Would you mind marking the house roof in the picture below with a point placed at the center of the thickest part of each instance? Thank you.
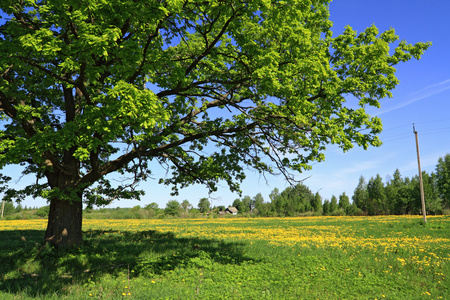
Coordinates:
(232, 209)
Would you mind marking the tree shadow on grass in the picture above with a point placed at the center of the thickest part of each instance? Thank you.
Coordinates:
(28, 267)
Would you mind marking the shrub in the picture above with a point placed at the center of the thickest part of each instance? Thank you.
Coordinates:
(42, 212)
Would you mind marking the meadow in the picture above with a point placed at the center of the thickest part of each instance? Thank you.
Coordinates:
(384, 257)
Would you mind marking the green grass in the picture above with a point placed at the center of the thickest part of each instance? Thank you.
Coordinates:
(273, 258)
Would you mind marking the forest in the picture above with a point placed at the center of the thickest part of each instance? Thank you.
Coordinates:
(398, 195)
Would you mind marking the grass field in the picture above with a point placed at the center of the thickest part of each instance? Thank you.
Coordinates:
(391, 257)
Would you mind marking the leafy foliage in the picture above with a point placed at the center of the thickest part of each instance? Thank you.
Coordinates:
(8, 208)
(204, 205)
(173, 208)
(333, 204)
(360, 194)
(398, 195)
(243, 205)
(376, 196)
(443, 179)
(294, 200)
(186, 205)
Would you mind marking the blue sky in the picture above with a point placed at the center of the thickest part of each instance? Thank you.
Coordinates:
(423, 98)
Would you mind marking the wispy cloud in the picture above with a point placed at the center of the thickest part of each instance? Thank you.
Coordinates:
(427, 162)
(359, 168)
(345, 179)
(427, 92)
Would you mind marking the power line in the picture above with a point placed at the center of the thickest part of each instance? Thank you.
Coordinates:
(402, 134)
(432, 121)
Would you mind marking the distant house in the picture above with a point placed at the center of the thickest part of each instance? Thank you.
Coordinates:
(231, 210)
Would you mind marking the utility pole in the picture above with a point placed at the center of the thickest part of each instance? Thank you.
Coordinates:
(422, 195)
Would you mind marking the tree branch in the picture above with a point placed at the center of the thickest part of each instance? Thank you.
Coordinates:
(211, 46)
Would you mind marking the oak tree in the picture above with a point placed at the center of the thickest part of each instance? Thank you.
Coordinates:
(202, 88)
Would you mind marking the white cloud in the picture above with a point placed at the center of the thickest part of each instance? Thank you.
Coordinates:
(427, 163)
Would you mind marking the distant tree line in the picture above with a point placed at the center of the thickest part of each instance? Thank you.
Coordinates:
(23, 212)
(398, 195)
(401, 195)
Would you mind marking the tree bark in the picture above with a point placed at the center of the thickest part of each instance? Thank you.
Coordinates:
(64, 228)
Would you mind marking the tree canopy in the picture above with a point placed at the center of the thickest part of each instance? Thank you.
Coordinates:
(443, 179)
(294, 200)
(204, 205)
(202, 88)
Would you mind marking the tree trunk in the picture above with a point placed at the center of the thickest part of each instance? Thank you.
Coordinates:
(64, 223)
